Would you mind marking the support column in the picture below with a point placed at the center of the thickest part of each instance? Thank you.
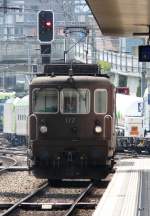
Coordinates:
(133, 83)
(148, 85)
(143, 81)
(116, 79)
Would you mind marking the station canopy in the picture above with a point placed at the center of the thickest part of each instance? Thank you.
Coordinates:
(121, 17)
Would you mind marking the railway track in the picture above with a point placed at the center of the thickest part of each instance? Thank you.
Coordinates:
(13, 152)
(80, 201)
(16, 205)
(10, 162)
(60, 201)
(19, 150)
(7, 162)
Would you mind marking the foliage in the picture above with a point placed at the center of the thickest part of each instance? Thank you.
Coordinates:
(104, 66)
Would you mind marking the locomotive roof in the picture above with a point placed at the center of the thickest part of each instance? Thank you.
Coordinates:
(45, 80)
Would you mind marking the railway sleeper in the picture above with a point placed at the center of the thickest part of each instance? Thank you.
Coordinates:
(48, 206)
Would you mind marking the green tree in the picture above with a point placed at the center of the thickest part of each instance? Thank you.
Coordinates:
(104, 66)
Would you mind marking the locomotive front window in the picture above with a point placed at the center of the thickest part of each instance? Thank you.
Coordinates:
(45, 100)
(100, 101)
(75, 101)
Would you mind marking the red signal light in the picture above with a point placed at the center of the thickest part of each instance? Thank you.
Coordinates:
(48, 24)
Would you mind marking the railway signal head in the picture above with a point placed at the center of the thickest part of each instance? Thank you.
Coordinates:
(46, 26)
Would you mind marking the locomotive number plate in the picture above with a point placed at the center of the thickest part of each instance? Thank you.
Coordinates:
(70, 120)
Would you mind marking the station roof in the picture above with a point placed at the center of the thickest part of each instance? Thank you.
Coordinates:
(121, 17)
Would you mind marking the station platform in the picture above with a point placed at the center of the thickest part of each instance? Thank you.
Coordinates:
(128, 194)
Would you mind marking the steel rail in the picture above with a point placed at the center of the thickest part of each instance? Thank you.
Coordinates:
(15, 168)
(11, 152)
(14, 162)
(75, 203)
(12, 208)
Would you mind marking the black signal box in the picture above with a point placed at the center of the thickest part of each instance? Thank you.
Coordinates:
(45, 26)
(144, 53)
(45, 49)
(46, 60)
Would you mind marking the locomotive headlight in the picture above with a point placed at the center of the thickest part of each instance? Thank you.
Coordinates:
(98, 129)
(43, 129)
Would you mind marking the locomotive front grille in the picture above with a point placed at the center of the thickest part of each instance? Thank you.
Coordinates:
(81, 156)
(63, 159)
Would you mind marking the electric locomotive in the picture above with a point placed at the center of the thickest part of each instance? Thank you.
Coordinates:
(71, 122)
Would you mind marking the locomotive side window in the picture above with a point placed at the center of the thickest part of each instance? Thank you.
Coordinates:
(45, 100)
(75, 101)
(100, 101)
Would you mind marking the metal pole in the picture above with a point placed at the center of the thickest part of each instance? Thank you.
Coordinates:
(148, 84)
(29, 58)
(3, 81)
(143, 73)
(87, 49)
(65, 49)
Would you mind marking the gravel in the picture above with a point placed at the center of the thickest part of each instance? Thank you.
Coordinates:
(16, 185)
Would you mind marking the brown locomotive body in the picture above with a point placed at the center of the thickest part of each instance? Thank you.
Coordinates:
(71, 126)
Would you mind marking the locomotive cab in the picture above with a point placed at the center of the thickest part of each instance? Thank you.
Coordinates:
(71, 126)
